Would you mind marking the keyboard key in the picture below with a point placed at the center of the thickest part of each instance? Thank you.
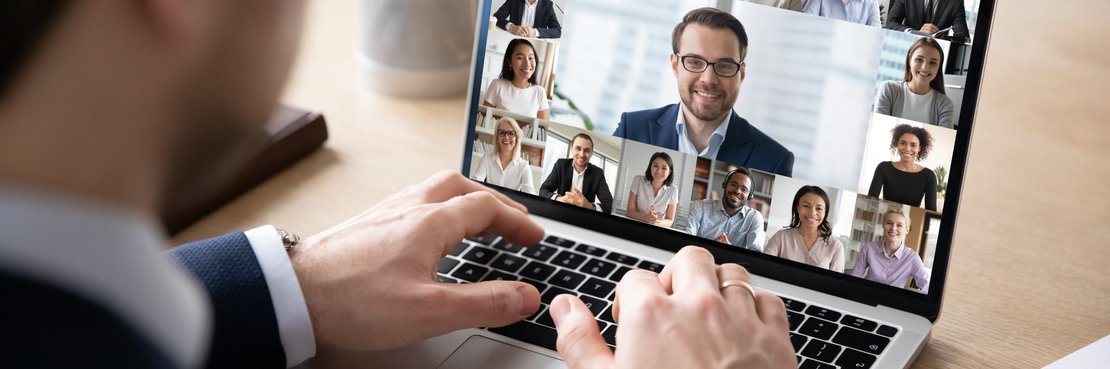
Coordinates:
(855, 359)
(446, 264)
(798, 341)
(598, 267)
(567, 279)
(485, 239)
(607, 315)
(622, 258)
(793, 305)
(596, 306)
(554, 291)
(458, 250)
(540, 252)
(470, 272)
(545, 319)
(509, 263)
(561, 242)
(652, 266)
(795, 319)
(860, 340)
(811, 364)
(498, 275)
(537, 271)
(540, 286)
(569, 260)
(617, 275)
(823, 313)
(590, 250)
(610, 335)
(818, 328)
(821, 350)
(539, 311)
(601, 326)
(887, 330)
(859, 323)
(597, 287)
(529, 332)
(480, 255)
(506, 246)
(445, 279)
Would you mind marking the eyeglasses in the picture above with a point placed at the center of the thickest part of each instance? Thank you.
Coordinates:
(723, 68)
(506, 134)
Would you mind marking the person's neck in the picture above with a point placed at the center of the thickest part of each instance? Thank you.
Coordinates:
(809, 232)
(581, 169)
(905, 166)
(506, 157)
(919, 88)
(731, 211)
(890, 246)
(698, 130)
(521, 83)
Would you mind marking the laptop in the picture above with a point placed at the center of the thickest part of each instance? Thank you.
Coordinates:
(829, 112)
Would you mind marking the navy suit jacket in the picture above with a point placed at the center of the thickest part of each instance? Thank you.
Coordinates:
(910, 14)
(44, 326)
(743, 145)
(593, 185)
(546, 24)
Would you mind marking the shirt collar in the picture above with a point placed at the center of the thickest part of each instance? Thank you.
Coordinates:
(715, 139)
(721, 207)
(898, 254)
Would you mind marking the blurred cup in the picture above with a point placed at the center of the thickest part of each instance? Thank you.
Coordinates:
(416, 48)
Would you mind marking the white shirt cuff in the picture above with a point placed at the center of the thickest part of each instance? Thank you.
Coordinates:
(294, 324)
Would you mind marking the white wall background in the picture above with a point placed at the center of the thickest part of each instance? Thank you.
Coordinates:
(634, 160)
(878, 148)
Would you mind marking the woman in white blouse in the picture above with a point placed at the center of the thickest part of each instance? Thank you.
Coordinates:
(516, 89)
(504, 166)
(652, 199)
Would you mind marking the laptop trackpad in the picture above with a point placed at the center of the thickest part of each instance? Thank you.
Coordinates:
(482, 352)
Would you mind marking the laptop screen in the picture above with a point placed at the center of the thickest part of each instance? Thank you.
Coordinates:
(822, 133)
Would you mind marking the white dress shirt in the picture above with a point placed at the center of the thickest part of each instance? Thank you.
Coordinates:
(715, 140)
(516, 176)
(528, 19)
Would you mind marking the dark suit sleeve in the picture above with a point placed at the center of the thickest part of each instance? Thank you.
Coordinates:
(620, 127)
(246, 330)
(603, 195)
(896, 17)
(786, 165)
(502, 14)
(551, 184)
(549, 26)
(960, 32)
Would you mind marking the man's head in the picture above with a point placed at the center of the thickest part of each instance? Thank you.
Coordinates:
(738, 189)
(581, 150)
(709, 47)
(175, 90)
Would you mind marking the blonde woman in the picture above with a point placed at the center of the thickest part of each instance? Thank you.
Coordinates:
(889, 260)
(504, 166)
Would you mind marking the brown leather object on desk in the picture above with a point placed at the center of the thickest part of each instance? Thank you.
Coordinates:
(293, 135)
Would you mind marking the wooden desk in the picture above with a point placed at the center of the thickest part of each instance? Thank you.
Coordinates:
(1028, 281)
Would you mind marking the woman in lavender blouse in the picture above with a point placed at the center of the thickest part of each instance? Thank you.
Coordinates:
(888, 260)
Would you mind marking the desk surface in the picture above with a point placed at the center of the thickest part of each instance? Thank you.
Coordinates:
(1027, 283)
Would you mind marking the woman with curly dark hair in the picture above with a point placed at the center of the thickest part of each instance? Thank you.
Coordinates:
(905, 180)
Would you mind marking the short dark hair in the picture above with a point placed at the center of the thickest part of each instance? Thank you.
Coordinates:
(670, 164)
(583, 136)
(712, 18)
(740, 170)
(23, 24)
(938, 80)
(507, 70)
(925, 139)
(795, 221)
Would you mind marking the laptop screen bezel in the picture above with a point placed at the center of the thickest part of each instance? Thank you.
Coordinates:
(825, 281)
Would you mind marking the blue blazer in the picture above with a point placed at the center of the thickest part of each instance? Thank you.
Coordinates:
(546, 24)
(744, 145)
(46, 326)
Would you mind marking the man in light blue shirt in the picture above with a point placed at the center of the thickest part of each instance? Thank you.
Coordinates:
(855, 11)
(729, 220)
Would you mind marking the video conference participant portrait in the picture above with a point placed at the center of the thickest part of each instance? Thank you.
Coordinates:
(920, 95)
(529, 18)
(865, 12)
(889, 260)
(516, 90)
(795, 5)
(729, 220)
(504, 166)
(808, 239)
(905, 181)
(576, 181)
(707, 59)
(653, 198)
(929, 17)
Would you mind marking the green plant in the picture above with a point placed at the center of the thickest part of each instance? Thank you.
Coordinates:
(942, 180)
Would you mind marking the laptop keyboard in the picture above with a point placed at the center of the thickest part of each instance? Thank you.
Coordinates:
(822, 337)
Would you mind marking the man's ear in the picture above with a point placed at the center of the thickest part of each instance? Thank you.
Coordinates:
(674, 64)
(743, 70)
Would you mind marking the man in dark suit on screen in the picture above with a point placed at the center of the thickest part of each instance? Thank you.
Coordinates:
(930, 16)
(709, 47)
(577, 182)
(529, 18)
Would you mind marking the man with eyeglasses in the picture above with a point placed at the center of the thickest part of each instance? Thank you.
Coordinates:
(709, 47)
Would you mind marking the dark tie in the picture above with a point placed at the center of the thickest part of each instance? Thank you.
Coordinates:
(929, 10)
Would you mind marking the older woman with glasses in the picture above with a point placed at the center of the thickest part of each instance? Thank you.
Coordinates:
(504, 166)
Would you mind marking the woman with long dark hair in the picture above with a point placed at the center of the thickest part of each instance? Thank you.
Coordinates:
(652, 198)
(516, 89)
(809, 239)
(919, 96)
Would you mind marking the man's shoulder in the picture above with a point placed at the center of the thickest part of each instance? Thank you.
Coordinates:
(764, 143)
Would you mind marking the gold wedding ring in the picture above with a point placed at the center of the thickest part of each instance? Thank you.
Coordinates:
(738, 283)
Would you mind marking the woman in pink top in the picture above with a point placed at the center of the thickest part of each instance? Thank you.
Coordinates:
(809, 239)
(889, 261)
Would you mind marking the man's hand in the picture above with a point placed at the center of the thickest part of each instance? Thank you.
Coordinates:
(680, 318)
(370, 284)
(929, 28)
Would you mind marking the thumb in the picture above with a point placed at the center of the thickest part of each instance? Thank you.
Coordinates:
(579, 342)
(485, 304)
